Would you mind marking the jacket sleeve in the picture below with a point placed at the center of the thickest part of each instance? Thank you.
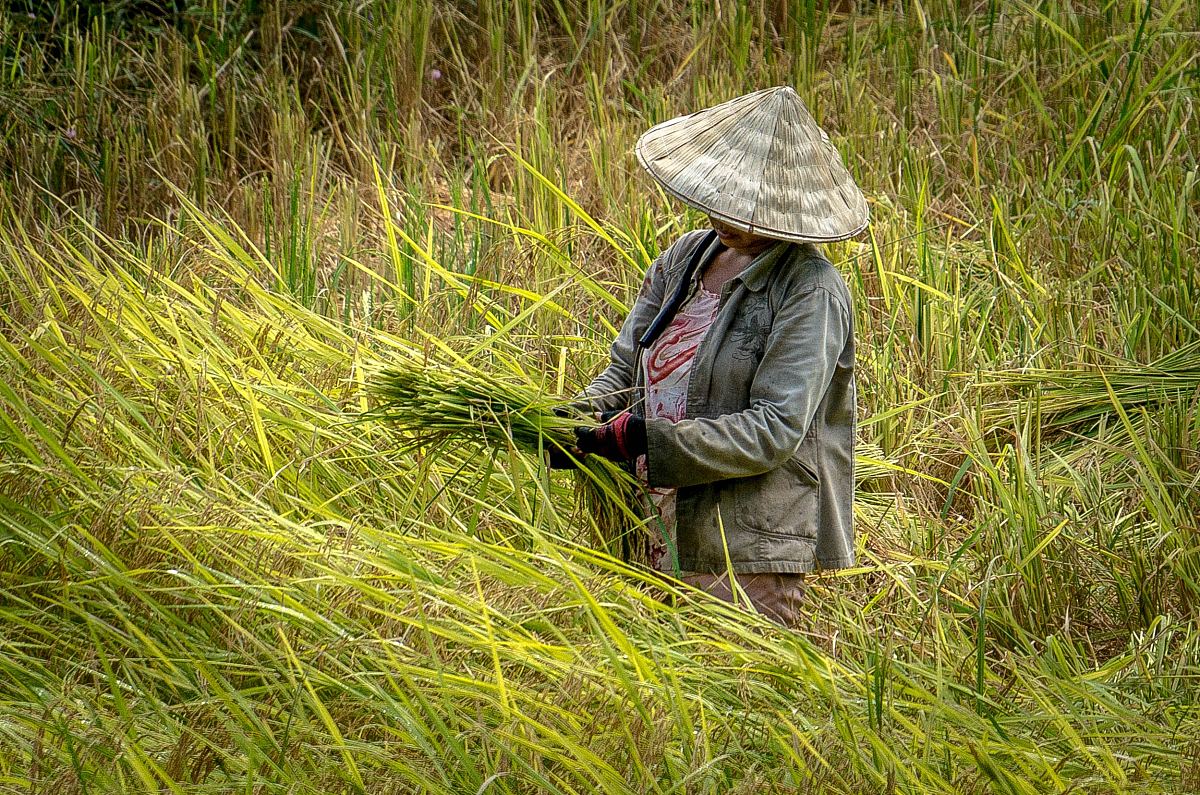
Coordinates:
(803, 347)
(613, 388)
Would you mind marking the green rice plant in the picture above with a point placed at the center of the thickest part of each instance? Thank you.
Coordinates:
(1078, 398)
(442, 404)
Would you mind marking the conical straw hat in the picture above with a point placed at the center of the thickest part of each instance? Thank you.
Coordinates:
(759, 163)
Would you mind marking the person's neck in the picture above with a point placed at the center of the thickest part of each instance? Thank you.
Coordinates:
(728, 263)
(751, 251)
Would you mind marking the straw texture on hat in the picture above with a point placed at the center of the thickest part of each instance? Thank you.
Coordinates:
(759, 163)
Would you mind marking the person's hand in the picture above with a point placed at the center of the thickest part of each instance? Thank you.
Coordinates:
(563, 457)
(558, 458)
(620, 439)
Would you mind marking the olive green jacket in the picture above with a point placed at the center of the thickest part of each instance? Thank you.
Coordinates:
(764, 462)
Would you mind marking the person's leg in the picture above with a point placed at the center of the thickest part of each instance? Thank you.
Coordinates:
(776, 596)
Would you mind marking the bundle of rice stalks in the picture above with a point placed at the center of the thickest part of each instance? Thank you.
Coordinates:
(1078, 399)
(438, 404)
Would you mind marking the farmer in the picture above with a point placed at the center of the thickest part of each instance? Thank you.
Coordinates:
(731, 383)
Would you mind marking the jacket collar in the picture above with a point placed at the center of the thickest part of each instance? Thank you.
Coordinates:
(759, 270)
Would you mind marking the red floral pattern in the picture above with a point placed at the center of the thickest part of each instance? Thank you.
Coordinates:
(667, 365)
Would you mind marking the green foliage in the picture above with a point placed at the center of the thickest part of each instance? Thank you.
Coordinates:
(215, 577)
(453, 401)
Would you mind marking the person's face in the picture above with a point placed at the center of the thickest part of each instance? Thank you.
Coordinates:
(736, 239)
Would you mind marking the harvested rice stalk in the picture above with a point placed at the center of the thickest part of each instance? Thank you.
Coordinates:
(1078, 398)
(437, 403)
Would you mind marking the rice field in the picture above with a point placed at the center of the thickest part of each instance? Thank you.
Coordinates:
(222, 572)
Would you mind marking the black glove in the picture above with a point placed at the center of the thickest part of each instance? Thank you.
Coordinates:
(619, 439)
(558, 458)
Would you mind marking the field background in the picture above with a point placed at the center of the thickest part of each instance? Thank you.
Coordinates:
(214, 222)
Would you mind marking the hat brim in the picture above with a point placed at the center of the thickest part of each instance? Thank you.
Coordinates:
(737, 223)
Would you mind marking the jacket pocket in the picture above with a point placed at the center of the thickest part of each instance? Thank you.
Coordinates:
(781, 503)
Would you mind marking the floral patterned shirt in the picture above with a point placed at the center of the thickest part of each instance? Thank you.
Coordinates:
(667, 365)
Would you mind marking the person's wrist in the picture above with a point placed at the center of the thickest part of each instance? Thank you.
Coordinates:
(631, 435)
(621, 438)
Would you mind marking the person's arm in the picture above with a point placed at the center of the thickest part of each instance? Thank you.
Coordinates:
(802, 350)
(610, 390)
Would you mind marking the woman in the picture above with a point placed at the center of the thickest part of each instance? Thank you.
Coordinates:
(733, 375)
